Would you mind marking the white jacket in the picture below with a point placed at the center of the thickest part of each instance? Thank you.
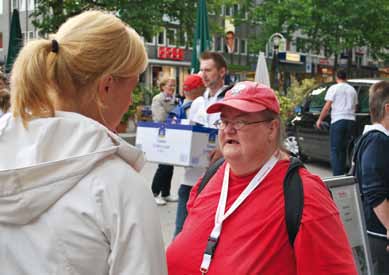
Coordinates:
(72, 202)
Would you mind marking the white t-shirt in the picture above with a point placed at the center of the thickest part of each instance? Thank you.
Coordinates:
(198, 110)
(344, 99)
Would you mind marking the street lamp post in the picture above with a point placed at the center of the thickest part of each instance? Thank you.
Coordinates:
(276, 45)
(275, 40)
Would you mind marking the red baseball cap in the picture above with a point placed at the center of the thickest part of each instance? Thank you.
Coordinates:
(249, 97)
(192, 82)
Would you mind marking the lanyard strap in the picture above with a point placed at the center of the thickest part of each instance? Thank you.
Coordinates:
(221, 216)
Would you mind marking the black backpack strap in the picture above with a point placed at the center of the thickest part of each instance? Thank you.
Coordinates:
(209, 173)
(294, 198)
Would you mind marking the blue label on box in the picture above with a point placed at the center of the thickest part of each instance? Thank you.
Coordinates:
(193, 128)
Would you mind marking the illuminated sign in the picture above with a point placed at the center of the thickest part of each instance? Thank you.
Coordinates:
(171, 53)
(292, 57)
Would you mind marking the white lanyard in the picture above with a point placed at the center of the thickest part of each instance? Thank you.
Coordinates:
(221, 216)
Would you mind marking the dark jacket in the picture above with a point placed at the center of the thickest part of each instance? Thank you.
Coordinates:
(372, 171)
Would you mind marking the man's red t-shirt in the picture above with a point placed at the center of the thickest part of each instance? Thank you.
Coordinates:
(254, 238)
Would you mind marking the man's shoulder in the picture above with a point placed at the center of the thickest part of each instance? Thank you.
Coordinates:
(197, 103)
(317, 198)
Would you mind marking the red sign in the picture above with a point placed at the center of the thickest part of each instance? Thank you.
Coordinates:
(324, 61)
(171, 53)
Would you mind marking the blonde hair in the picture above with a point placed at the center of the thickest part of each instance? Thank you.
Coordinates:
(90, 45)
(164, 80)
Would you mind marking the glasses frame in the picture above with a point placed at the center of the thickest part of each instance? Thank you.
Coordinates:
(220, 122)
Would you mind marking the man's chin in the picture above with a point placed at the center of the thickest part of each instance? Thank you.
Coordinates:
(230, 155)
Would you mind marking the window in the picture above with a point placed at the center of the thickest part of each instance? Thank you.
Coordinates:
(182, 37)
(171, 37)
(235, 9)
(161, 38)
(243, 46)
(228, 11)
(222, 10)
(1, 6)
(363, 99)
(301, 45)
(358, 59)
(218, 44)
(236, 45)
(15, 4)
(149, 39)
(316, 99)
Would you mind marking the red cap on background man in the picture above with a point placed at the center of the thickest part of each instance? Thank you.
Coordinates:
(192, 82)
(249, 97)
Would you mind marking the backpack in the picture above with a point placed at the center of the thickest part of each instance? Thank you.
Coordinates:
(180, 111)
(293, 194)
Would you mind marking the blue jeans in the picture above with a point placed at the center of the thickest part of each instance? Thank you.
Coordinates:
(340, 133)
(183, 197)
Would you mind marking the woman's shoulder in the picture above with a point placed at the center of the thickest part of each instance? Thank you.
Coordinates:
(116, 180)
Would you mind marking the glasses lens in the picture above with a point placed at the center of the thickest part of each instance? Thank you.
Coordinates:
(238, 124)
(218, 124)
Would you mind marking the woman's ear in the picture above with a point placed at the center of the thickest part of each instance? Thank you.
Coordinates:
(104, 86)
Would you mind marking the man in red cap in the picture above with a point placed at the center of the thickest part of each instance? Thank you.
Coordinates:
(193, 88)
(236, 225)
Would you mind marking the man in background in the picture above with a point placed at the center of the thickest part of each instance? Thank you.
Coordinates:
(213, 69)
(342, 99)
(193, 88)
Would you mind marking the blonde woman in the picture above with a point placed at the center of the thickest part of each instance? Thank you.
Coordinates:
(161, 106)
(71, 199)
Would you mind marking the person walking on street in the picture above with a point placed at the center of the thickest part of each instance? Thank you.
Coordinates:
(193, 88)
(342, 99)
(72, 200)
(161, 106)
(236, 225)
(372, 171)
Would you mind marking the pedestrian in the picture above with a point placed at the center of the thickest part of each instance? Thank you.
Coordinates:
(161, 106)
(193, 88)
(251, 237)
(71, 198)
(4, 101)
(342, 99)
(213, 69)
(372, 172)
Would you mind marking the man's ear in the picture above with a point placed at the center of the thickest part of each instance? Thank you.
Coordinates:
(222, 72)
(274, 129)
(104, 86)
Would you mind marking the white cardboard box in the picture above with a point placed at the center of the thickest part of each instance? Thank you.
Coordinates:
(176, 144)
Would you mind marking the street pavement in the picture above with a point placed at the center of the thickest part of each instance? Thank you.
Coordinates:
(168, 212)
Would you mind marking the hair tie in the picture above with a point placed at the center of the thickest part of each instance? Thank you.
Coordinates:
(54, 46)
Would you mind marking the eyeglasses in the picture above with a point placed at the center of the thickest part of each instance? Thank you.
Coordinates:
(237, 124)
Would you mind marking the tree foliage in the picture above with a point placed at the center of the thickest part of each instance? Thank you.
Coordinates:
(146, 16)
(336, 26)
